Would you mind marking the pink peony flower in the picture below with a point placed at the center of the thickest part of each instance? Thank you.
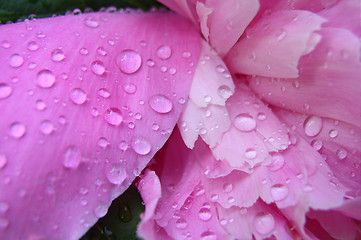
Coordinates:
(273, 91)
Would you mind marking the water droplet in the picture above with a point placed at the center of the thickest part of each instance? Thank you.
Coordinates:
(103, 142)
(104, 93)
(313, 126)
(279, 192)
(33, 46)
(245, 122)
(150, 63)
(83, 51)
(204, 214)
(83, 191)
(4, 223)
(181, 223)
(186, 54)
(129, 61)
(46, 127)
(214, 197)
(100, 211)
(208, 235)
(341, 153)
(141, 145)
(316, 144)
(3, 161)
(160, 103)
(4, 207)
(5, 90)
(45, 78)
(129, 88)
(224, 91)
(333, 133)
(77, 96)
(101, 51)
(94, 112)
(264, 223)
(116, 174)
(164, 52)
(16, 60)
(91, 22)
(72, 157)
(155, 127)
(277, 161)
(250, 153)
(57, 55)
(6, 44)
(113, 116)
(17, 130)
(207, 99)
(227, 187)
(98, 67)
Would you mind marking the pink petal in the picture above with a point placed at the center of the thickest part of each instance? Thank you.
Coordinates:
(273, 46)
(78, 122)
(351, 208)
(185, 8)
(329, 82)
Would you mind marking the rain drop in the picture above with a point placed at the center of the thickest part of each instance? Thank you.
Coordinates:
(72, 157)
(46, 127)
(250, 153)
(103, 93)
(40, 105)
(264, 223)
(277, 161)
(98, 67)
(208, 235)
(245, 122)
(316, 144)
(16, 60)
(33, 46)
(113, 116)
(17, 130)
(116, 174)
(313, 126)
(204, 214)
(57, 55)
(333, 133)
(91, 22)
(5, 90)
(227, 187)
(129, 88)
(3, 161)
(101, 51)
(164, 52)
(141, 145)
(224, 91)
(45, 78)
(129, 61)
(181, 223)
(100, 211)
(77, 96)
(341, 153)
(279, 192)
(103, 142)
(160, 103)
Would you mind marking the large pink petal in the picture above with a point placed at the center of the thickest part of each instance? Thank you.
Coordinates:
(273, 46)
(86, 102)
(329, 82)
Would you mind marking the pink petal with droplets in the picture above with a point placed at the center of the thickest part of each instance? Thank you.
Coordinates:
(185, 8)
(274, 45)
(329, 82)
(88, 100)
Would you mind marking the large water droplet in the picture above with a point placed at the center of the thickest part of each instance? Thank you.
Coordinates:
(5, 90)
(277, 161)
(57, 55)
(113, 116)
(116, 174)
(313, 126)
(72, 157)
(141, 145)
(3, 161)
(91, 22)
(205, 214)
(264, 223)
(224, 91)
(341, 153)
(46, 127)
(33, 46)
(160, 103)
(129, 61)
(17, 130)
(164, 52)
(333, 133)
(208, 235)
(100, 211)
(317, 144)
(16, 60)
(279, 192)
(77, 96)
(45, 78)
(245, 122)
(98, 67)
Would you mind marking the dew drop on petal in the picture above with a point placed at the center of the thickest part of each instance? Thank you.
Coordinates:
(129, 61)
(129, 88)
(250, 153)
(204, 214)
(279, 192)
(245, 122)
(113, 116)
(46, 127)
(227, 187)
(17, 130)
(116, 174)
(264, 223)
(83, 51)
(277, 161)
(224, 91)
(100, 211)
(208, 235)
(98, 67)
(312, 126)
(160, 103)
(341, 153)
(72, 157)
(57, 55)
(5, 90)
(16, 60)
(91, 22)
(77, 96)
(104, 93)
(181, 223)
(141, 145)
(333, 133)
(3, 161)
(4, 207)
(33, 46)
(164, 52)
(316, 144)
(103, 142)
(45, 78)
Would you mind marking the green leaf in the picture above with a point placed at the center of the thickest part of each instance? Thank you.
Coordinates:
(15, 10)
(122, 218)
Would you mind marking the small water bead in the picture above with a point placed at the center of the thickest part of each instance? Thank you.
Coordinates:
(33, 46)
(101, 51)
(83, 191)
(45, 78)
(83, 51)
(164, 52)
(224, 91)
(227, 187)
(129, 88)
(77, 96)
(208, 235)
(172, 71)
(163, 68)
(333, 133)
(103, 142)
(98, 67)
(341, 153)
(279, 192)
(264, 223)
(186, 54)
(129, 61)
(181, 223)
(5, 90)
(205, 214)
(4, 207)
(100, 211)
(250, 153)
(104, 93)
(46, 127)
(116, 174)
(16, 60)
(141, 145)
(160, 103)
(6, 44)
(3, 161)
(277, 161)
(17, 130)
(57, 55)
(313, 126)
(94, 112)
(245, 122)
(4, 223)
(123, 145)
(316, 144)
(72, 157)
(150, 63)
(113, 116)
(91, 22)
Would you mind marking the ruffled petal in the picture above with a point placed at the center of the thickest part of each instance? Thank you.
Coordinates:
(273, 46)
(86, 102)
